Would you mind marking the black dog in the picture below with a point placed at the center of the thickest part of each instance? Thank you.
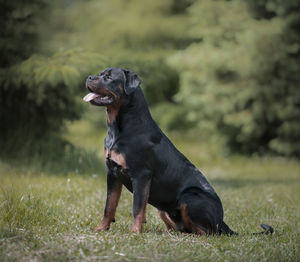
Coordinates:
(139, 156)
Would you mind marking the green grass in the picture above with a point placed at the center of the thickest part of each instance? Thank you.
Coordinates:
(48, 216)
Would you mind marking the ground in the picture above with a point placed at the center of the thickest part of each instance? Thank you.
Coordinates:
(47, 216)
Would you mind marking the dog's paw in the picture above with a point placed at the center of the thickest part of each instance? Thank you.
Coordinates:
(136, 229)
(102, 228)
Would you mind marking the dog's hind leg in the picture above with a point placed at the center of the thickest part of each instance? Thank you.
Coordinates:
(189, 225)
(200, 212)
(170, 224)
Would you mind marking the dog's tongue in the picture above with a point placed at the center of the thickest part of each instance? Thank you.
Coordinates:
(90, 97)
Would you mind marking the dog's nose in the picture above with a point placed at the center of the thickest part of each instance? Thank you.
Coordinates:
(90, 78)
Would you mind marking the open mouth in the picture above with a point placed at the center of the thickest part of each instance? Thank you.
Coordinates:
(99, 99)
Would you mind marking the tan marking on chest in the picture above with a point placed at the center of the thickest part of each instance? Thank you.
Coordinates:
(119, 158)
(112, 112)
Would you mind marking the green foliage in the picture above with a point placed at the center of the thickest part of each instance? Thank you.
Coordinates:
(271, 8)
(172, 116)
(120, 26)
(19, 22)
(242, 78)
(38, 94)
(236, 65)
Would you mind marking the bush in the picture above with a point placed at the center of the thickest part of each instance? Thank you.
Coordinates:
(170, 116)
(37, 95)
(243, 79)
(37, 92)
(19, 22)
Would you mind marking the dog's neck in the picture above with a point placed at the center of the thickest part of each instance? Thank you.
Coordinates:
(111, 113)
(133, 115)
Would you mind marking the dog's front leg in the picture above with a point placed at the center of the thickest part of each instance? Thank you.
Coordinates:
(141, 188)
(114, 189)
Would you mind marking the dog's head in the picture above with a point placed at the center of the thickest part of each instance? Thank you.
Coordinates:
(111, 87)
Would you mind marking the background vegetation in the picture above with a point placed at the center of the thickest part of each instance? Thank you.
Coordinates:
(222, 80)
(227, 68)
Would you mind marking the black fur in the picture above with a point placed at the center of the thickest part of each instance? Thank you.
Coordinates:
(153, 162)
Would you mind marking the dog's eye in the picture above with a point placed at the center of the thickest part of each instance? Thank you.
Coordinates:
(108, 75)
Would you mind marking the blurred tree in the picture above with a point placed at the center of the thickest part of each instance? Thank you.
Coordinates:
(242, 78)
(283, 75)
(238, 62)
(271, 8)
(180, 6)
(37, 93)
(137, 35)
(19, 36)
(122, 27)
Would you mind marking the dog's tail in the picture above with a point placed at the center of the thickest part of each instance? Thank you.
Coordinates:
(225, 229)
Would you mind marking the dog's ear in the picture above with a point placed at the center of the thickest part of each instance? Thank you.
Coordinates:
(132, 82)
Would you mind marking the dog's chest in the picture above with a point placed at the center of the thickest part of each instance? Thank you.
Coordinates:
(115, 158)
(116, 163)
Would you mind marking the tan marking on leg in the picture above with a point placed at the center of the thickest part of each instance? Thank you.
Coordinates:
(138, 222)
(119, 158)
(188, 223)
(140, 219)
(110, 208)
(167, 220)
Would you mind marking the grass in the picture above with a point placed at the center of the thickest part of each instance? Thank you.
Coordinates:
(48, 216)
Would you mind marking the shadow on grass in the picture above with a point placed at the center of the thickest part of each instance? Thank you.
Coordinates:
(243, 182)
